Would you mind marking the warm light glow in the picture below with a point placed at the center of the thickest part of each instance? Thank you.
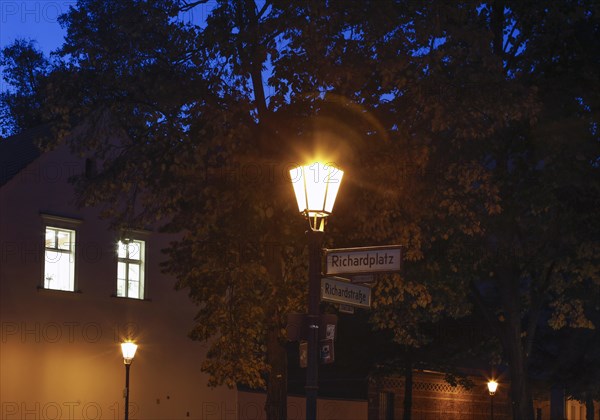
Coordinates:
(492, 386)
(128, 348)
(316, 187)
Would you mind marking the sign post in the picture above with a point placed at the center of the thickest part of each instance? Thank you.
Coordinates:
(315, 332)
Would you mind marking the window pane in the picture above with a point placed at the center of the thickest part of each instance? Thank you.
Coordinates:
(50, 272)
(64, 240)
(134, 289)
(134, 272)
(58, 274)
(121, 271)
(122, 249)
(134, 251)
(50, 238)
(52, 256)
(121, 287)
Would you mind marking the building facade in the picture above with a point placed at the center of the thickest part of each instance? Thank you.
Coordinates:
(71, 290)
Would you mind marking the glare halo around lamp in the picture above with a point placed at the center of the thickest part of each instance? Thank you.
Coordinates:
(128, 349)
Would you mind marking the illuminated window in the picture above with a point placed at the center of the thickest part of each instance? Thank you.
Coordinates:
(130, 269)
(59, 259)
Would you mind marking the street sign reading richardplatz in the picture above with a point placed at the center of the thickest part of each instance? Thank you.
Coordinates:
(376, 259)
(341, 291)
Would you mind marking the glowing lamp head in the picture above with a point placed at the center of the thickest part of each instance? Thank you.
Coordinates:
(128, 348)
(492, 386)
(316, 187)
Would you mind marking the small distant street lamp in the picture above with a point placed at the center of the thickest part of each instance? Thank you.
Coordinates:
(316, 187)
(492, 386)
(128, 348)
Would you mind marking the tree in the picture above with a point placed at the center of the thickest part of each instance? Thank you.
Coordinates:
(519, 252)
(168, 113)
(25, 69)
(500, 110)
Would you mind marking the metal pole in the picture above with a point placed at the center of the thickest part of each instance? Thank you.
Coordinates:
(492, 407)
(127, 366)
(315, 239)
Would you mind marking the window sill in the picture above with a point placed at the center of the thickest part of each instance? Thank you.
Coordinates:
(58, 291)
(130, 299)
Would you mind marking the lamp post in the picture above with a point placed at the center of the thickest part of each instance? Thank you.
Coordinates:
(316, 187)
(492, 386)
(128, 348)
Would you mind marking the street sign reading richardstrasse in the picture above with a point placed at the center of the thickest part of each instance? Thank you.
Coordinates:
(340, 291)
(375, 259)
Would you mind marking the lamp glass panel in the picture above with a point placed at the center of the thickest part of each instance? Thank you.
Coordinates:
(318, 183)
(128, 350)
(297, 178)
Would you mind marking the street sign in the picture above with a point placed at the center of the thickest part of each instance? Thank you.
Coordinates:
(375, 259)
(339, 291)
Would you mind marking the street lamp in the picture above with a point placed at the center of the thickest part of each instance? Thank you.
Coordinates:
(492, 386)
(128, 348)
(316, 187)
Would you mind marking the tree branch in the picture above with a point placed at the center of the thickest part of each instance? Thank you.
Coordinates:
(188, 6)
(497, 25)
(255, 64)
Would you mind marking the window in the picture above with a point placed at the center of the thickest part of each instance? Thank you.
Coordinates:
(130, 269)
(59, 259)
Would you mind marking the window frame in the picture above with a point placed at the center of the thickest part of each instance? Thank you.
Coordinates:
(58, 224)
(128, 261)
